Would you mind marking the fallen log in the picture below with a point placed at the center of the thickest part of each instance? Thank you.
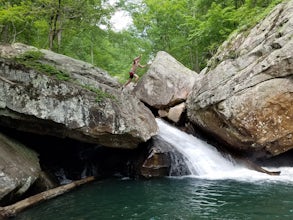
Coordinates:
(250, 165)
(12, 210)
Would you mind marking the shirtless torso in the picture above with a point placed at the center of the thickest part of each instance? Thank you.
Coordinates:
(133, 69)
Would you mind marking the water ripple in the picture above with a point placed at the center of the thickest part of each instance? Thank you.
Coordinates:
(168, 199)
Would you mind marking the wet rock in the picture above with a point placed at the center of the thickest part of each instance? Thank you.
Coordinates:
(163, 160)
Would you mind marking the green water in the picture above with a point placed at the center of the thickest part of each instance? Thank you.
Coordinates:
(170, 198)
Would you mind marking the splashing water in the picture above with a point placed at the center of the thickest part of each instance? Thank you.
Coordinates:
(204, 161)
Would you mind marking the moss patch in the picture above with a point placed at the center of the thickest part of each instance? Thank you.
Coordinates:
(100, 95)
(32, 59)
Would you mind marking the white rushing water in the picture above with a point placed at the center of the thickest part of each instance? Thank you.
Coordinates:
(204, 161)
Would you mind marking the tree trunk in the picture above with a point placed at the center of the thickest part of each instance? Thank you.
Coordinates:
(12, 210)
(92, 53)
(55, 28)
(252, 166)
(5, 34)
(196, 65)
(51, 33)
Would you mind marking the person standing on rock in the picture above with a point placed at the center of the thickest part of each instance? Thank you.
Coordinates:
(133, 69)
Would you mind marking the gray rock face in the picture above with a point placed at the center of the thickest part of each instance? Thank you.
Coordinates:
(19, 168)
(166, 83)
(88, 106)
(247, 98)
(163, 160)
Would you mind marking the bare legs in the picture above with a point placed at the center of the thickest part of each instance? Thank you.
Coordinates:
(136, 78)
(130, 79)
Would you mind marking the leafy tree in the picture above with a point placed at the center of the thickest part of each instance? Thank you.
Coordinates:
(16, 19)
(161, 21)
(190, 30)
(66, 17)
(212, 30)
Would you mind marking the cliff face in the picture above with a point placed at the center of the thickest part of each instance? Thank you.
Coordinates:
(245, 97)
(47, 93)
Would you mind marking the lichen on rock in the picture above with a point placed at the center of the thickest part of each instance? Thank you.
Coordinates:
(86, 106)
(247, 100)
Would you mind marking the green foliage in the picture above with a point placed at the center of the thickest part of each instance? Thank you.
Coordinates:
(213, 29)
(16, 20)
(190, 30)
(31, 59)
(253, 11)
(100, 95)
(31, 55)
(162, 23)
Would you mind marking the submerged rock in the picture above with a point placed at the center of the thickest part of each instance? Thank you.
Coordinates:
(246, 96)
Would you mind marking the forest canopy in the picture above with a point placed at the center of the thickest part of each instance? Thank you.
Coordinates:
(189, 30)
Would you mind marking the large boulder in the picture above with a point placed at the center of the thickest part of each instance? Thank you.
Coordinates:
(19, 168)
(166, 83)
(48, 93)
(246, 95)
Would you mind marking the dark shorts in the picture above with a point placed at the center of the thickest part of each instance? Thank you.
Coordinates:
(131, 74)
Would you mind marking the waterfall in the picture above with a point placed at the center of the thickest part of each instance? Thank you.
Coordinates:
(205, 161)
(202, 158)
